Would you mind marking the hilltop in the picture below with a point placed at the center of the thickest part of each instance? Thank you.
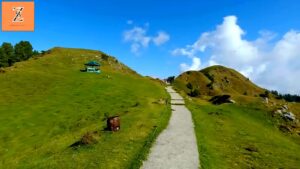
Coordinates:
(217, 80)
(47, 105)
(254, 132)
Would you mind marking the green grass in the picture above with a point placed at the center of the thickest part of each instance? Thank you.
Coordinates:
(217, 80)
(223, 137)
(242, 135)
(47, 104)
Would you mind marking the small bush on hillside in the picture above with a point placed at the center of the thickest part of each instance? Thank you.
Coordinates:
(262, 95)
(217, 100)
(275, 92)
(189, 86)
(43, 52)
(194, 93)
(105, 57)
(210, 86)
(210, 77)
(266, 94)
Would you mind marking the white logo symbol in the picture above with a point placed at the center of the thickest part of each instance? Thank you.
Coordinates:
(18, 11)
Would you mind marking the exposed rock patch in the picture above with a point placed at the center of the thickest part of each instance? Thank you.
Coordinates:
(285, 113)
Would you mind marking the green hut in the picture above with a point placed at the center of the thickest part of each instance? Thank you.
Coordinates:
(92, 66)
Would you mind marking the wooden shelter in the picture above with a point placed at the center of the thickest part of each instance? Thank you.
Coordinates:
(92, 66)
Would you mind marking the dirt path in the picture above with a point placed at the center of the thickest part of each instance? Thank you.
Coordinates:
(176, 146)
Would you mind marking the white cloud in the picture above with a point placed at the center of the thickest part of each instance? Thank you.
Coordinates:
(139, 38)
(184, 52)
(196, 65)
(273, 65)
(161, 38)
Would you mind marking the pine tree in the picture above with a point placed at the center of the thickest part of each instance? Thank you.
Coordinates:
(6, 55)
(23, 51)
(3, 61)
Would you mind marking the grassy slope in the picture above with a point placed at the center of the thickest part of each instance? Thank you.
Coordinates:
(223, 137)
(217, 80)
(47, 104)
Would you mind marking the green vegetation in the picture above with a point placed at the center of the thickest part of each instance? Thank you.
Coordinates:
(193, 92)
(6, 54)
(241, 136)
(246, 134)
(170, 79)
(286, 97)
(20, 52)
(47, 105)
(216, 80)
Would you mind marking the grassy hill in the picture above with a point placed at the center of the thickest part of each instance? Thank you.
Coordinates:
(47, 104)
(246, 134)
(242, 136)
(217, 80)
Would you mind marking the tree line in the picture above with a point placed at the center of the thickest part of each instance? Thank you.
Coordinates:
(286, 97)
(10, 54)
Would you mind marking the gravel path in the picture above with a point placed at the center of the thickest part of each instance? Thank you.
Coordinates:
(176, 146)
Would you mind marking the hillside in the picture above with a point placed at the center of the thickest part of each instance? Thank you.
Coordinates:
(47, 104)
(242, 136)
(217, 80)
(247, 134)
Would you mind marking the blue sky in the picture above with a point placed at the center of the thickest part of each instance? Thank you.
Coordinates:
(102, 25)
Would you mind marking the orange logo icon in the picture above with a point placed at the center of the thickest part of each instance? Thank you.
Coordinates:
(17, 16)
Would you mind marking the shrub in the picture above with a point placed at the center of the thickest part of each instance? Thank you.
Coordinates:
(217, 100)
(171, 79)
(189, 86)
(194, 93)
(266, 94)
(105, 57)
